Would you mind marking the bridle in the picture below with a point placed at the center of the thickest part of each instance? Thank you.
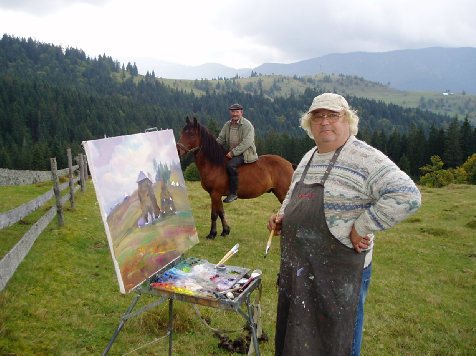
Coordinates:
(187, 151)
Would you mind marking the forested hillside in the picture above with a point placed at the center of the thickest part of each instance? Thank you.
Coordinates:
(52, 98)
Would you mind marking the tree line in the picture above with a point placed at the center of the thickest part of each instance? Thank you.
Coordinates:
(52, 98)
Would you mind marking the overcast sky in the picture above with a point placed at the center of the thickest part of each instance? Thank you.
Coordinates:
(240, 33)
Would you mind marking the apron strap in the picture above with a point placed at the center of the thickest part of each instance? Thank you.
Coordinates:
(307, 166)
(329, 167)
(331, 164)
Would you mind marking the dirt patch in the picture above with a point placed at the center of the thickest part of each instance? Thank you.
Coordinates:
(434, 231)
(472, 224)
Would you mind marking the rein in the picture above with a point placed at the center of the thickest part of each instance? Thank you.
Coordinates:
(187, 151)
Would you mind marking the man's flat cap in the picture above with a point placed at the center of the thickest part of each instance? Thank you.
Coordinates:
(236, 107)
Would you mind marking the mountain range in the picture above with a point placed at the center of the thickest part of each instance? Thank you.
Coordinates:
(435, 69)
(52, 98)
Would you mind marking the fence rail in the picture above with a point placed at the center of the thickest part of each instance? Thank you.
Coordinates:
(15, 256)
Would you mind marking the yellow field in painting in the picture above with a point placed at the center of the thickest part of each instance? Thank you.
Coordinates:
(154, 246)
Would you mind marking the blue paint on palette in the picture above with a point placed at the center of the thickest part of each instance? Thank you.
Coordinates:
(198, 277)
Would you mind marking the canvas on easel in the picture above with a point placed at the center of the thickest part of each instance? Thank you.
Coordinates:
(143, 202)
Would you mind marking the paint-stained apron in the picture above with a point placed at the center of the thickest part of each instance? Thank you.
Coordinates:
(319, 280)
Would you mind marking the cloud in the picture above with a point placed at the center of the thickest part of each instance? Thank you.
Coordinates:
(240, 33)
(302, 29)
(44, 7)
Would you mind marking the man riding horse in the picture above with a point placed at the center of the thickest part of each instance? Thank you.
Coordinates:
(238, 137)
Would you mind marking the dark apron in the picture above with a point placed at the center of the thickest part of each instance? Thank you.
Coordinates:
(319, 281)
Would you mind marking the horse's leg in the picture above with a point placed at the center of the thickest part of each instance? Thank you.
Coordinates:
(216, 202)
(221, 214)
(213, 230)
(280, 189)
(218, 211)
(280, 195)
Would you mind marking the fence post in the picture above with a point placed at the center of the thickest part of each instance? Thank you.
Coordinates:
(71, 178)
(81, 172)
(86, 176)
(56, 190)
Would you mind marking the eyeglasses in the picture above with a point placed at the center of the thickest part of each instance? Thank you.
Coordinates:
(318, 119)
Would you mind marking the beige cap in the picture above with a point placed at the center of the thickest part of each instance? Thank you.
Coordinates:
(329, 101)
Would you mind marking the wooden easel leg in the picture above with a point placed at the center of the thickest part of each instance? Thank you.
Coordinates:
(171, 324)
(121, 324)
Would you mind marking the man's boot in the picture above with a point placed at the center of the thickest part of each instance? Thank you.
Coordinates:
(233, 189)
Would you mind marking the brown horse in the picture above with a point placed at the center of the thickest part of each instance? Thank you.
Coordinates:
(269, 173)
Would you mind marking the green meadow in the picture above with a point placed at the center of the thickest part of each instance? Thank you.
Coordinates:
(64, 297)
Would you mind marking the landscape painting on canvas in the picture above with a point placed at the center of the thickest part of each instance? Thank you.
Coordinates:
(143, 202)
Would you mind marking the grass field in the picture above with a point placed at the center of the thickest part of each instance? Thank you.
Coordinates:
(64, 297)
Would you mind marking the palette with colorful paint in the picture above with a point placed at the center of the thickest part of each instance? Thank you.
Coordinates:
(198, 277)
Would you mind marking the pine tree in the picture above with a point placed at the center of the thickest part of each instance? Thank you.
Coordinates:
(38, 160)
(416, 149)
(394, 149)
(436, 141)
(59, 153)
(404, 164)
(433, 172)
(5, 160)
(466, 136)
(383, 141)
(273, 144)
(213, 127)
(452, 155)
(375, 139)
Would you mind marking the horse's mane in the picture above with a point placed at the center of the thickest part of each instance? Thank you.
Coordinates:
(210, 147)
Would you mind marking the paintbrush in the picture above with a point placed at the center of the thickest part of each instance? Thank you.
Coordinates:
(227, 258)
(269, 240)
(229, 254)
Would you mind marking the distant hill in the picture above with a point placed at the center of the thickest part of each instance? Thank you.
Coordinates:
(169, 70)
(430, 69)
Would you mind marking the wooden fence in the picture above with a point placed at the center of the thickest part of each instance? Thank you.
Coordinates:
(13, 258)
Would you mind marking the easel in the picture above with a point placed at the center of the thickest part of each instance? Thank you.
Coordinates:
(225, 304)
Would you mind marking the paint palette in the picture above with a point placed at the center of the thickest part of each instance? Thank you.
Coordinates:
(198, 277)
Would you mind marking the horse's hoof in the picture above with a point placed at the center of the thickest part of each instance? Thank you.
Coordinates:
(211, 236)
(226, 231)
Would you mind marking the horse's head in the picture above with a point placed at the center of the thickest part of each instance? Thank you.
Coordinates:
(196, 139)
(190, 139)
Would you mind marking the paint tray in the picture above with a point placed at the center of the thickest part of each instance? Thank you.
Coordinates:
(198, 277)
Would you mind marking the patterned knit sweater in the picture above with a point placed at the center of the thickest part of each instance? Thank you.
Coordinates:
(364, 188)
